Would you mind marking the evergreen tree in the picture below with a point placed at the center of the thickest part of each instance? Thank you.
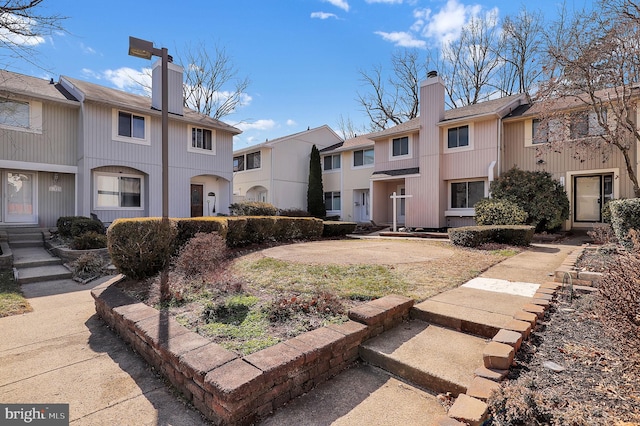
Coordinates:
(315, 193)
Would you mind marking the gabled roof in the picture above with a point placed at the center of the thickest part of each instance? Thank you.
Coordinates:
(358, 142)
(108, 96)
(410, 126)
(498, 107)
(271, 143)
(24, 85)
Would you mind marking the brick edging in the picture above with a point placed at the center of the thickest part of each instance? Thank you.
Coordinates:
(498, 356)
(230, 389)
(568, 266)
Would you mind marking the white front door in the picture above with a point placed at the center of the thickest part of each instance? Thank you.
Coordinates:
(361, 205)
(20, 195)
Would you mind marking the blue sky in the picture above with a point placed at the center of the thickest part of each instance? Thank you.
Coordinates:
(302, 56)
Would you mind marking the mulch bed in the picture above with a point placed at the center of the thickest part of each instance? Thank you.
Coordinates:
(599, 383)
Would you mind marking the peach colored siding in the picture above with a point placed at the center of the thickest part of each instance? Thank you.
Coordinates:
(382, 153)
(473, 163)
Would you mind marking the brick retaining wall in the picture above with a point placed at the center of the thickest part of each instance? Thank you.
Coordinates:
(230, 389)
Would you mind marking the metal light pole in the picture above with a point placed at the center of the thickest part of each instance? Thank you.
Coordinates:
(144, 49)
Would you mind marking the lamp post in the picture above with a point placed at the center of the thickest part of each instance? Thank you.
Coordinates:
(144, 49)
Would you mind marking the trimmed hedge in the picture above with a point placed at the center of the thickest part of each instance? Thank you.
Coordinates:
(74, 226)
(252, 208)
(138, 247)
(89, 241)
(491, 211)
(337, 229)
(625, 215)
(473, 236)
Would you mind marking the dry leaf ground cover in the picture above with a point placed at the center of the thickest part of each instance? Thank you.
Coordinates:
(12, 302)
(595, 340)
(269, 294)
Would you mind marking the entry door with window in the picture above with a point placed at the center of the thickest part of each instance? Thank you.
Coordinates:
(361, 206)
(590, 194)
(197, 196)
(20, 197)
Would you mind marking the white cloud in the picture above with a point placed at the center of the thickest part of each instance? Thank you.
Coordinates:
(87, 49)
(20, 25)
(342, 4)
(264, 124)
(402, 39)
(446, 24)
(385, 1)
(290, 122)
(125, 78)
(323, 15)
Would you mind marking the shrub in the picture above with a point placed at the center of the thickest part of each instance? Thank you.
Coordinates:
(293, 213)
(188, 228)
(252, 208)
(315, 191)
(602, 234)
(89, 241)
(625, 215)
(322, 304)
(140, 247)
(620, 290)
(491, 211)
(473, 236)
(88, 265)
(337, 229)
(536, 192)
(72, 226)
(202, 254)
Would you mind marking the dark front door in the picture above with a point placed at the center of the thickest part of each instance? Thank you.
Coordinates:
(197, 192)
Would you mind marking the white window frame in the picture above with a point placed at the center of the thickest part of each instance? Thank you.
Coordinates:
(445, 139)
(467, 211)
(192, 148)
(35, 116)
(409, 153)
(333, 197)
(115, 124)
(363, 165)
(333, 162)
(96, 174)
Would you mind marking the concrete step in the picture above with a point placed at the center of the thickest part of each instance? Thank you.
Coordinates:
(432, 357)
(26, 243)
(470, 310)
(43, 273)
(25, 236)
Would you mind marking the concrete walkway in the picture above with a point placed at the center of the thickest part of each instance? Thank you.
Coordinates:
(63, 353)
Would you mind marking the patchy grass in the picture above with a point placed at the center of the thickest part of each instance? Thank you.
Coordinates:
(254, 301)
(12, 302)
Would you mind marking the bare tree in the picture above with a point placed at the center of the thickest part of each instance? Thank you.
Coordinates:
(23, 26)
(595, 70)
(348, 129)
(469, 64)
(212, 85)
(393, 99)
(521, 48)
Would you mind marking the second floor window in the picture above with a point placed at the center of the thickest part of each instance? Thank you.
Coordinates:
(130, 125)
(253, 160)
(458, 137)
(400, 146)
(540, 132)
(238, 163)
(363, 157)
(332, 162)
(14, 113)
(201, 139)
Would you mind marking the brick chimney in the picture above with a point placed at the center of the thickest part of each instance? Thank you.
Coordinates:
(175, 87)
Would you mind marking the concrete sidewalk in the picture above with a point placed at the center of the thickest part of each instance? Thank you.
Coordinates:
(62, 352)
